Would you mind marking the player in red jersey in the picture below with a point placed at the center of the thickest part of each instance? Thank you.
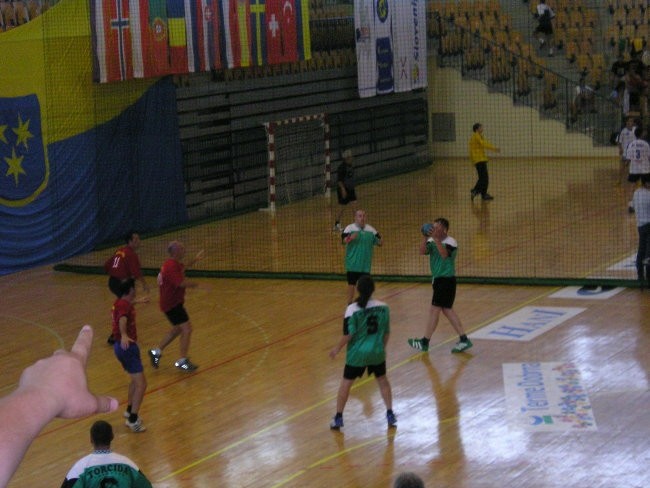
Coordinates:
(172, 284)
(124, 264)
(127, 351)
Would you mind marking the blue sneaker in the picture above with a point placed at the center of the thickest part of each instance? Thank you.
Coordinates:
(337, 423)
(391, 419)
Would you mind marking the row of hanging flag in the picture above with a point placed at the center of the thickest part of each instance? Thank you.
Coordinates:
(150, 38)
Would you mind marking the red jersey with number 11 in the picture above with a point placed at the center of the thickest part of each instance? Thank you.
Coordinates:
(170, 278)
(124, 264)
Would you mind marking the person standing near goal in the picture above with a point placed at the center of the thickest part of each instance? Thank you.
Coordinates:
(441, 249)
(345, 186)
(172, 284)
(359, 240)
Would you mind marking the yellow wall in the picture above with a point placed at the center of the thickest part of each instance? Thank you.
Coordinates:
(518, 131)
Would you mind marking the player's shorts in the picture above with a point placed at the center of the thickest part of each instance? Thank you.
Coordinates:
(177, 315)
(444, 292)
(130, 359)
(353, 372)
(350, 196)
(634, 177)
(115, 284)
(353, 277)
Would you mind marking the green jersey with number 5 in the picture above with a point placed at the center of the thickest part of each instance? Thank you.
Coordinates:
(367, 328)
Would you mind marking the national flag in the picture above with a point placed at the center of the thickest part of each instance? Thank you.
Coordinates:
(205, 35)
(302, 29)
(190, 35)
(236, 32)
(177, 35)
(258, 32)
(282, 37)
(112, 40)
(287, 31)
(156, 52)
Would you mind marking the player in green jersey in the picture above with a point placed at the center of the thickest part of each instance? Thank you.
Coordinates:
(359, 240)
(441, 249)
(366, 328)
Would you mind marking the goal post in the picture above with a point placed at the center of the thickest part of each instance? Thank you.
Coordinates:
(298, 158)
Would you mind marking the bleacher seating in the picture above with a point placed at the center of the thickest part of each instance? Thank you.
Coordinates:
(14, 13)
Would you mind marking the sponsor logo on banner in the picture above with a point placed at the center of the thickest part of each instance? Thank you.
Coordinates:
(547, 397)
(527, 323)
(587, 292)
(384, 48)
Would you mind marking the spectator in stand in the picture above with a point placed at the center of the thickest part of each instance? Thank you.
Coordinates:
(619, 68)
(634, 82)
(621, 97)
(544, 29)
(584, 100)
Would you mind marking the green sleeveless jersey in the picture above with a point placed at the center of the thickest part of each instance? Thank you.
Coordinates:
(442, 266)
(358, 252)
(367, 326)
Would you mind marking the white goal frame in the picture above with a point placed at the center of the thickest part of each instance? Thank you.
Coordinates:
(270, 128)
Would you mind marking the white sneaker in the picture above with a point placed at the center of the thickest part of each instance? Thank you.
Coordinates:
(136, 426)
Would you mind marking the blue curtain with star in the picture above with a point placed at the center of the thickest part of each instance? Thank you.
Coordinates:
(81, 163)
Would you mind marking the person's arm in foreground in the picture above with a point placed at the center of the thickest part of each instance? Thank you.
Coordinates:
(49, 388)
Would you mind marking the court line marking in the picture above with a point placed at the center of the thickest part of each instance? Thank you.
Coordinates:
(46, 328)
(356, 385)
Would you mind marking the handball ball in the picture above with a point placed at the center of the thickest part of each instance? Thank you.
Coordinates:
(426, 228)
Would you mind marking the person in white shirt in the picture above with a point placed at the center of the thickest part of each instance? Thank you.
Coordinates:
(638, 153)
(641, 202)
(623, 139)
(544, 29)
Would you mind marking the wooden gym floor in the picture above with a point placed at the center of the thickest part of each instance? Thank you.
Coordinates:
(256, 412)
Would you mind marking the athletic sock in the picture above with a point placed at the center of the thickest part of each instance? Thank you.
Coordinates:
(425, 341)
(338, 415)
(463, 338)
(133, 417)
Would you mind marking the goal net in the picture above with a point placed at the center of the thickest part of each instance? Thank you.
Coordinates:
(299, 161)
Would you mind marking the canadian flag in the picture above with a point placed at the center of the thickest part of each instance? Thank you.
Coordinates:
(281, 31)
